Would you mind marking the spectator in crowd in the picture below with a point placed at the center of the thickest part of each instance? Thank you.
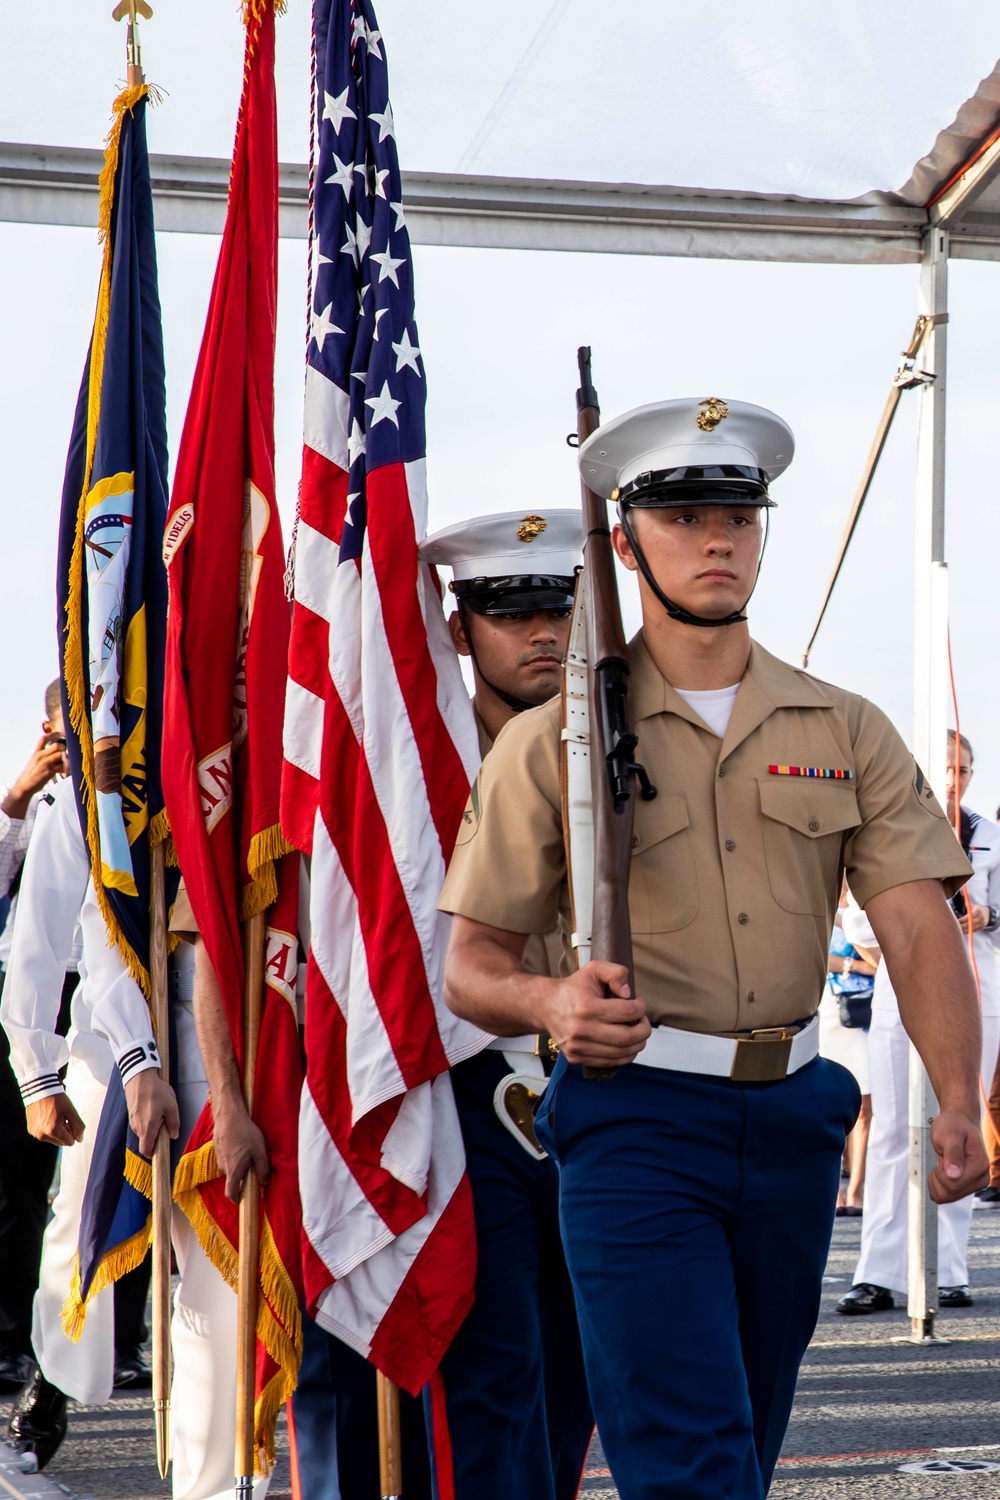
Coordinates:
(882, 1268)
(26, 1165)
(845, 1015)
(989, 1197)
(63, 1081)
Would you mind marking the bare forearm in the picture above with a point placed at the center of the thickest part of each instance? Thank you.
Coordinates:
(15, 804)
(486, 983)
(591, 1016)
(239, 1144)
(940, 1010)
(931, 975)
(214, 1039)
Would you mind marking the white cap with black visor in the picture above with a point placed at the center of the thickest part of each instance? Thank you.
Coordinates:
(687, 452)
(510, 564)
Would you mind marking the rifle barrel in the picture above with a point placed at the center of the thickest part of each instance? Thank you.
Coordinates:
(607, 668)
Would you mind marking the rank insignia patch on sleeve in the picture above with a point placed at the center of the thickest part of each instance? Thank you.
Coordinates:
(924, 793)
(469, 825)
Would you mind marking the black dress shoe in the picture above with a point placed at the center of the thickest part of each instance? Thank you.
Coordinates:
(14, 1370)
(989, 1196)
(131, 1371)
(866, 1298)
(37, 1422)
(954, 1296)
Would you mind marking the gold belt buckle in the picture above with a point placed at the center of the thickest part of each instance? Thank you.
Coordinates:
(762, 1057)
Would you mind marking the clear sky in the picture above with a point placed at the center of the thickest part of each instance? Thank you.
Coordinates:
(499, 331)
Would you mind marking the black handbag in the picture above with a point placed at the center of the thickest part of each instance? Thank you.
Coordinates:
(855, 1009)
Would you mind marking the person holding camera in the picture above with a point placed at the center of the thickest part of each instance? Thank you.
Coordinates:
(845, 1014)
(882, 1267)
(26, 1165)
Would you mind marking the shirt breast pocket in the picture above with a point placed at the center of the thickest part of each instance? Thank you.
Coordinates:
(663, 886)
(804, 822)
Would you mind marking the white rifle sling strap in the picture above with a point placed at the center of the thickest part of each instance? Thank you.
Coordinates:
(578, 807)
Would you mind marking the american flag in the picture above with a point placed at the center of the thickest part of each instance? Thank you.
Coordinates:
(380, 748)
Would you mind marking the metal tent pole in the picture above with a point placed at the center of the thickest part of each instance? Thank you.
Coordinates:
(930, 688)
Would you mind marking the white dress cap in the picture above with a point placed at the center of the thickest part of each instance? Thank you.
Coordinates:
(701, 432)
(545, 542)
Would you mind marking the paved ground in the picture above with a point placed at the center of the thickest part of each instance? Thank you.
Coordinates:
(866, 1408)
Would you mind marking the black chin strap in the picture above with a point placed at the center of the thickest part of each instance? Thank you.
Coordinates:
(517, 704)
(676, 611)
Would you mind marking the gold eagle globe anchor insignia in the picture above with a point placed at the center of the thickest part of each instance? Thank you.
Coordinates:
(531, 527)
(715, 411)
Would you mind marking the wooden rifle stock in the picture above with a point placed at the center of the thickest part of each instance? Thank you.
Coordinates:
(612, 744)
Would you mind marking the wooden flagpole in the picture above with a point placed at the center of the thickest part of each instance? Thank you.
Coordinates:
(159, 998)
(249, 1251)
(390, 1454)
(162, 1178)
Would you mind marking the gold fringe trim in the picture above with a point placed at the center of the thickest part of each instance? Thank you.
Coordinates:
(73, 656)
(139, 1174)
(261, 891)
(194, 1170)
(279, 1316)
(113, 1265)
(254, 10)
(159, 829)
(253, 17)
(279, 1329)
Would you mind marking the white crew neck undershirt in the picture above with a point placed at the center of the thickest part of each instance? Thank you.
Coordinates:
(713, 706)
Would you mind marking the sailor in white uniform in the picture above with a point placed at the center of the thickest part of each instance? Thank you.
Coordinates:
(882, 1267)
(111, 1026)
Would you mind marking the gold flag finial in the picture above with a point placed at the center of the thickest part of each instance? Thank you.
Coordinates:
(133, 52)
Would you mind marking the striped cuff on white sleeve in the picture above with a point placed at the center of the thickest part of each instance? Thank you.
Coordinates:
(136, 1058)
(42, 1087)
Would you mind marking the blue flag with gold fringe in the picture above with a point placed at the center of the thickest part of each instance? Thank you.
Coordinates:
(112, 590)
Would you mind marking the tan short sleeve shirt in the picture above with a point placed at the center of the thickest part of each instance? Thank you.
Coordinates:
(183, 922)
(736, 865)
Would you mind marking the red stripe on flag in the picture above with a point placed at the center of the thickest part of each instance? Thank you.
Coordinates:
(309, 651)
(299, 801)
(424, 1315)
(361, 1144)
(395, 958)
(444, 1463)
(323, 494)
(393, 547)
(315, 1275)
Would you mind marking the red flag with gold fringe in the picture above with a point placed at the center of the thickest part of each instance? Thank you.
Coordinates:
(227, 640)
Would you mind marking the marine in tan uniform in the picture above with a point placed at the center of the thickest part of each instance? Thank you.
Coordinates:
(697, 1186)
(509, 1410)
(332, 1416)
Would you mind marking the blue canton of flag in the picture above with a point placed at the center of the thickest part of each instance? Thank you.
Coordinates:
(362, 335)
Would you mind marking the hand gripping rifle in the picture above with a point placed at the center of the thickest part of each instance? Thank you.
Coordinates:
(612, 742)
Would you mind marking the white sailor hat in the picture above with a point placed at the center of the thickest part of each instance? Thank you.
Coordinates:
(511, 563)
(693, 451)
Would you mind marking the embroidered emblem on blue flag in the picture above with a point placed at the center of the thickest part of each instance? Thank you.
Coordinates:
(112, 628)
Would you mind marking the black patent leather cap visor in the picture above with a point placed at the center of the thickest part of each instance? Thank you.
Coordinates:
(523, 594)
(696, 484)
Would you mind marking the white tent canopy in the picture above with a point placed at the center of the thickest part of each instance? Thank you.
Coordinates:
(552, 129)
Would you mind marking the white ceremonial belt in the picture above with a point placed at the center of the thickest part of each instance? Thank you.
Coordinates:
(527, 1043)
(761, 1056)
(522, 1057)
